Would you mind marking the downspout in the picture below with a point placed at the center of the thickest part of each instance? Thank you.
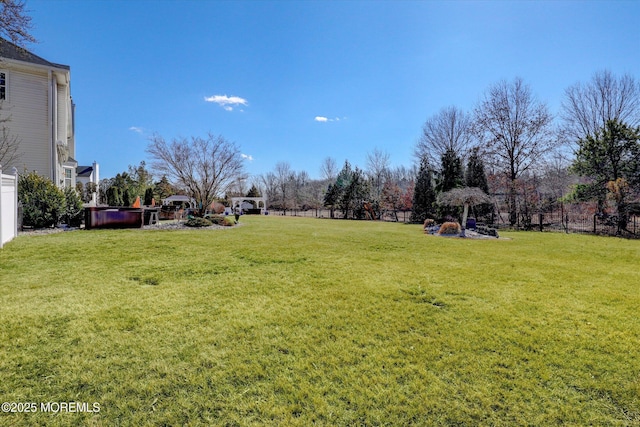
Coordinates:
(54, 150)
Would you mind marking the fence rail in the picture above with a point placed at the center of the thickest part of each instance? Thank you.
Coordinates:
(8, 206)
(565, 221)
(583, 223)
(403, 216)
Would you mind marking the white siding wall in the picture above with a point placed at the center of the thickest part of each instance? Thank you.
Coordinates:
(39, 105)
(62, 114)
(28, 106)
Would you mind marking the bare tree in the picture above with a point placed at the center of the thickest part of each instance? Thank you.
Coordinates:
(239, 186)
(315, 194)
(329, 169)
(298, 183)
(9, 144)
(449, 130)
(587, 108)
(515, 130)
(556, 176)
(284, 176)
(403, 175)
(15, 24)
(378, 171)
(270, 186)
(204, 167)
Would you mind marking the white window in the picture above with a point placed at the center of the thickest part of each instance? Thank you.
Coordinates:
(67, 178)
(3, 85)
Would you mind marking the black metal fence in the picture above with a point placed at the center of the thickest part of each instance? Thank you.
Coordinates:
(400, 216)
(581, 223)
(565, 221)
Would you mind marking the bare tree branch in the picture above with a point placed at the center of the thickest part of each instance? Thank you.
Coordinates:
(329, 168)
(587, 108)
(15, 24)
(378, 171)
(450, 129)
(515, 131)
(284, 176)
(9, 143)
(205, 168)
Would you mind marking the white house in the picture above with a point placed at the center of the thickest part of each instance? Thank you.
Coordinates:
(35, 97)
(87, 174)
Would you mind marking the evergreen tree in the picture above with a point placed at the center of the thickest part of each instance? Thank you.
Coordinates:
(451, 173)
(611, 159)
(43, 204)
(331, 198)
(74, 208)
(127, 197)
(114, 197)
(139, 179)
(354, 194)
(253, 192)
(163, 188)
(335, 191)
(451, 176)
(148, 196)
(424, 195)
(475, 175)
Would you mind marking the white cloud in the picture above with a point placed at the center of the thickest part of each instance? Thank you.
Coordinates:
(323, 119)
(227, 102)
(136, 129)
(247, 157)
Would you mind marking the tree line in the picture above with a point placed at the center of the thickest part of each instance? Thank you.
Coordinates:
(509, 146)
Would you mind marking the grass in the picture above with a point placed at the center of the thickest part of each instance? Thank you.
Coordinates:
(291, 321)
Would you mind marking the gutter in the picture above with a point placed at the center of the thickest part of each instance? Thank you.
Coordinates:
(52, 141)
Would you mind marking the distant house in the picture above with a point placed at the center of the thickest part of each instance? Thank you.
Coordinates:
(35, 101)
(87, 174)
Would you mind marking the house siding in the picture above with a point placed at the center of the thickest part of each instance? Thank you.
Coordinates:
(28, 109)
(39, 106)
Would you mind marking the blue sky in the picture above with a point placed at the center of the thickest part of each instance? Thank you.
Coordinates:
(298, 81)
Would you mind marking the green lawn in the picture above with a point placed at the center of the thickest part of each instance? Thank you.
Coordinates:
(291, 321)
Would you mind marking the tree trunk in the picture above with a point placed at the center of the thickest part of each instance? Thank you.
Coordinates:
(513, 206)
(465, 213)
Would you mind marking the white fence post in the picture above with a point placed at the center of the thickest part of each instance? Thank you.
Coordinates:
(1, 208)
(14, 172)
(8, 206)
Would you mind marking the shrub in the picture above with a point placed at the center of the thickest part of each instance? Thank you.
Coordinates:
(148, 196)
(87, 193)
(449, 228)
(114, 196)
(73, 207)
(215, 219)
(43, 204)
(430, 226)
(128, 198)
(222, 220)
(195, 221)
